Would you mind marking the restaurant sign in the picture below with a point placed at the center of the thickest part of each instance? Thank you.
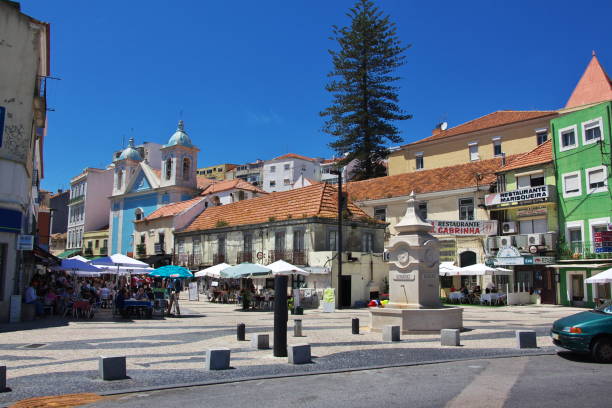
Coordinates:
(514, 196)
(485, 227)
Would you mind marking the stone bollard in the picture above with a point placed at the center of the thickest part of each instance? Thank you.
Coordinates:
(217, 359)
(297, 328)
(112, 368)
(260, 341)
(391, 333)
(3, 387)
(240, 331)
(526, 339)
(299, 354)
(449, 337)
(355, 325)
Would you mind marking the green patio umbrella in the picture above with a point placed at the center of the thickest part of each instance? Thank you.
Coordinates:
(245, 270)
(171, 271)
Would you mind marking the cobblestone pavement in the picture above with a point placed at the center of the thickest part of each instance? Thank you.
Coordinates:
(171, 351)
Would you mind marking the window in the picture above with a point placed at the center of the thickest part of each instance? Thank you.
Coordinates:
(105, 243)
(541, 136)
(571, 184)
(466, 209)
(567, 138)
(3, 249)
(419, 161)
(422, 210)
(332, 240)
(473, 151)
(160, 238)
(538, 226)
(380, 213)
(247, 243)
(186, 169)
(168, 168)
(197, 249)
(138, 214)
(119, 179)
(142, 238)
(497, 146)
(530, 180)
(209, 171)
(575, 238)
(97, 243)
(279, 241)
(298, 240)
(241, 195)
(89, 244)
(287, 166)
(591, 131)
(367, 242)
(598, 228)
(272, 183)
(272, 169)
(597, 179)
(181, 247)
(287, 182)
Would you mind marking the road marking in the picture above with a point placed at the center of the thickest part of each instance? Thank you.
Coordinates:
(491, 388)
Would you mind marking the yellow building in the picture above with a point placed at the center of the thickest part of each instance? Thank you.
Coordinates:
(95, 243)
(490, 136)
(217, 172)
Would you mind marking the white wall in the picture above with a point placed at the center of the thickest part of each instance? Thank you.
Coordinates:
(97, 204)
(297, 167)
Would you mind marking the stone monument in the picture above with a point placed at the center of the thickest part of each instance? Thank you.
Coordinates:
(414, 283)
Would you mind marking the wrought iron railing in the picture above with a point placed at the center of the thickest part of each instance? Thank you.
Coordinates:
(294, 257)
(584, 250)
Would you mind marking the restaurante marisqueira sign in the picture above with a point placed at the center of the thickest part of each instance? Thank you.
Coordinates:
(484, 227)
(522, 194)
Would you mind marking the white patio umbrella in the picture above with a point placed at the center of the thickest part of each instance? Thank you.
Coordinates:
(121, 265)
(281, 267)
(449, 269)
(482, 269)
(213, 271)
(601, 277)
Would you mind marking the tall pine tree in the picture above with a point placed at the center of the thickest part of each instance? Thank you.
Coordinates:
(365, 101)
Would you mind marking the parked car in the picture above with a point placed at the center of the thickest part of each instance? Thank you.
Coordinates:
(587, 332)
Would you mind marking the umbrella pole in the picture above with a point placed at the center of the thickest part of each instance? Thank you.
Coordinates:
(280, 316)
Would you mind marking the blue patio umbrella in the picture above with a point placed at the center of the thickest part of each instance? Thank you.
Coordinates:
(245, 270)
(171, 271)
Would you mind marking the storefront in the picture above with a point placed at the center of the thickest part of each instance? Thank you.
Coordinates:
(573, 290)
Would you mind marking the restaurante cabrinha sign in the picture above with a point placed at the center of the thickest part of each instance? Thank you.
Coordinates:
(514, 196)
(484, 227)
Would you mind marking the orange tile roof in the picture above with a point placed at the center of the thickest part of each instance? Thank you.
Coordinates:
(427, 181)
(219, 186)
(540, 155)
(294, 156)
(594, 86)
(172, 209)
(203, 181)
(319, 200)
(495, 119)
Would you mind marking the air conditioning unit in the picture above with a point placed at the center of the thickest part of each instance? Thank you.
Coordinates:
(506, 241)
(534, 239)
(509, 227)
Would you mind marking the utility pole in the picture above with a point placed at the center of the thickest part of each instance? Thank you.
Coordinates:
(339, 236)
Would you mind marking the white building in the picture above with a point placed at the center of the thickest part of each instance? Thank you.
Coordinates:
(281, 173)
(24, 68)
(89, 205)
(230, 191)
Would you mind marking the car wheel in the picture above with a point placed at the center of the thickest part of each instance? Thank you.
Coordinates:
(602, 350)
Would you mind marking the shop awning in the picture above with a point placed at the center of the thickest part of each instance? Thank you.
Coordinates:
(44, 257)
(69, 253)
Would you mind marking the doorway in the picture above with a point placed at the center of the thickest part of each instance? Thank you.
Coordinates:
(577, 288)
(467, 258)
(345, 291)
(544, 282)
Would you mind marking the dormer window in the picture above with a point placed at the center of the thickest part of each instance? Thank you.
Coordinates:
(168, 168)
(186, 168)
(138, 214)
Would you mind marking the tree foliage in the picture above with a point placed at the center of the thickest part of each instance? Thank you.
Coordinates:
(365, 101)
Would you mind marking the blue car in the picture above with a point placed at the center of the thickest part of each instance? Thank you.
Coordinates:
(587, 332)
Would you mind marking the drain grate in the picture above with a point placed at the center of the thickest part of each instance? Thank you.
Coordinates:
(34, 345)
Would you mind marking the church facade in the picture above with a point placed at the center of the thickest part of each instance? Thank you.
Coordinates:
(141, 186)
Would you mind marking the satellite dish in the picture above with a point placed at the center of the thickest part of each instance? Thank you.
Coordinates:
(443, 125)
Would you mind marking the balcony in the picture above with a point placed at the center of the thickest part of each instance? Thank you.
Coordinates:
(104, 251)
(293, 257)
(244, 257)
(76, 199)
(219, 258)
(584, 250)
(141, 250)
(159, 248)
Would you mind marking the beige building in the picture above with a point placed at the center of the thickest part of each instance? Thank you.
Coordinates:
(218, 171)
(493, 135)
(95, 243)
(298, 226)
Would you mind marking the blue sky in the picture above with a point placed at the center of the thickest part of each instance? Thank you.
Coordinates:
(248, 77)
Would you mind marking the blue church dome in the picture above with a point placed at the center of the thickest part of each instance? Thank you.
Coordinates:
(130, 152)
(180, 137)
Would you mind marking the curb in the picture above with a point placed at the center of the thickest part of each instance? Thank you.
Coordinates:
(319, 372)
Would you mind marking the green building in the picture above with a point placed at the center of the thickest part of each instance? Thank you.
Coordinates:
(581, 147)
